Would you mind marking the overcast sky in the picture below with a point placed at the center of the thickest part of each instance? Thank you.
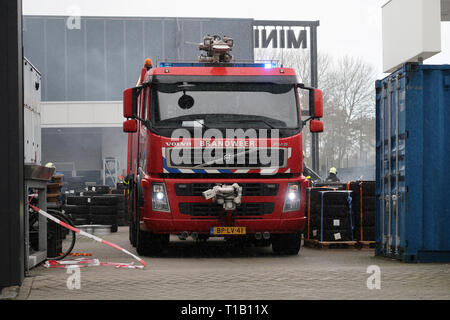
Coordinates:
(346, 27)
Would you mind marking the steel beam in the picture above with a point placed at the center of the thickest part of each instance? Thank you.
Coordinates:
(285, 23)
(314, 84)
(11, 145)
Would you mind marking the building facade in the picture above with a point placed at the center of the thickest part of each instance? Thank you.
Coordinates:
(87, 62)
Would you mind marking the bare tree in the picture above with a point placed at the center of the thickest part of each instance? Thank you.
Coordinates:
(351, 105)
(348, 88)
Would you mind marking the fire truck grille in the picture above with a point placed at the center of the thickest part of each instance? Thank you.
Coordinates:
(227, 159)
(215, 210)
(248, 189)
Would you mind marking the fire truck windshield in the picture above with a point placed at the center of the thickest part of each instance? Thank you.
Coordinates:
(225, 105)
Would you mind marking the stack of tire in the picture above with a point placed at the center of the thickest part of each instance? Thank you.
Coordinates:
(75, 183)
(364, 220)
(94, 206)
(330, 215)
(122, 213)
(363, 193)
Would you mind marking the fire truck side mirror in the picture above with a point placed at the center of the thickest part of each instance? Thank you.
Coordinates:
(130, 103)
(317, 103)
(130, 126)
(316, 126)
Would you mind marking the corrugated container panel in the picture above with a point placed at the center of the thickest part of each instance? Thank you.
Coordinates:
(413, 152)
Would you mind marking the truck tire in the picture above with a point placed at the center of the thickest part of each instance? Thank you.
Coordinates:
(150, 244)
(286, 244)
(100, 189)
(104, 210)
(77, 201)
(104, 200)
(70, 209)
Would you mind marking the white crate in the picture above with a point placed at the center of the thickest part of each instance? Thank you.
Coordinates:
(411, 30)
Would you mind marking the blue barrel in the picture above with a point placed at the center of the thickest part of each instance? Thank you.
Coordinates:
(413, 164)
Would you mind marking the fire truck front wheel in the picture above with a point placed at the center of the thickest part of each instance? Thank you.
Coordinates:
(286, 244)
(148, 243)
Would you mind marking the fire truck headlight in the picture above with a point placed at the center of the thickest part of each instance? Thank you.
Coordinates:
(292, 201)
(160, 201)
(160, 196)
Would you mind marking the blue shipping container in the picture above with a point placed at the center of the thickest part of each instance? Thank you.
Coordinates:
(413, 164)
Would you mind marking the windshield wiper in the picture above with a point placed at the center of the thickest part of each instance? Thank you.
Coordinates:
(203, 124)
(252, 120)
(180, 120)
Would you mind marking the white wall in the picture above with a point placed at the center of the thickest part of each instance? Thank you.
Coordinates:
(411, 29)
(68, 114)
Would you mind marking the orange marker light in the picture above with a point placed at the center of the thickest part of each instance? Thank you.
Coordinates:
(148, 63)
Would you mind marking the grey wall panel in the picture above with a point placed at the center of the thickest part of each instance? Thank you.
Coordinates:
(153, 44)
(96, 64)
(83, 146)
(191, 36)
(114, 144)
(171, 38)
(115, 59)
(54, 86)
(33, 36)
(105, 56)
(134, 50)
(76, 65)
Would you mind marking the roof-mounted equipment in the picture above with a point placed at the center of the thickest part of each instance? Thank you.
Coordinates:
(217, 49)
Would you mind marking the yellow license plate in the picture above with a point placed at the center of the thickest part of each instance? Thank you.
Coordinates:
(223, 231)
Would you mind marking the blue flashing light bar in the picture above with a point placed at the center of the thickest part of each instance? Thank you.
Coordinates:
(199, 64)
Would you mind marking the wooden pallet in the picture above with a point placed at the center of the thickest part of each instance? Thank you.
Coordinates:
(330, 244)
(367, 244)
(55, 184)
(57, 178)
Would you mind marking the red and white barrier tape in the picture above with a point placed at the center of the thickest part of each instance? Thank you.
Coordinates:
(82, 263)
(91, 236)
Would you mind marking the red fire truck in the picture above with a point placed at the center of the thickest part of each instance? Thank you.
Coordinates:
(199, 139)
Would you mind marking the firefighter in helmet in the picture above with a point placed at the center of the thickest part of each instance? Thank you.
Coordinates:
(332, 176)
(50, 165)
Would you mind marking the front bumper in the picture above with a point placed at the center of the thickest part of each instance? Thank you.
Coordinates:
(176, 222)
(291, 225)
